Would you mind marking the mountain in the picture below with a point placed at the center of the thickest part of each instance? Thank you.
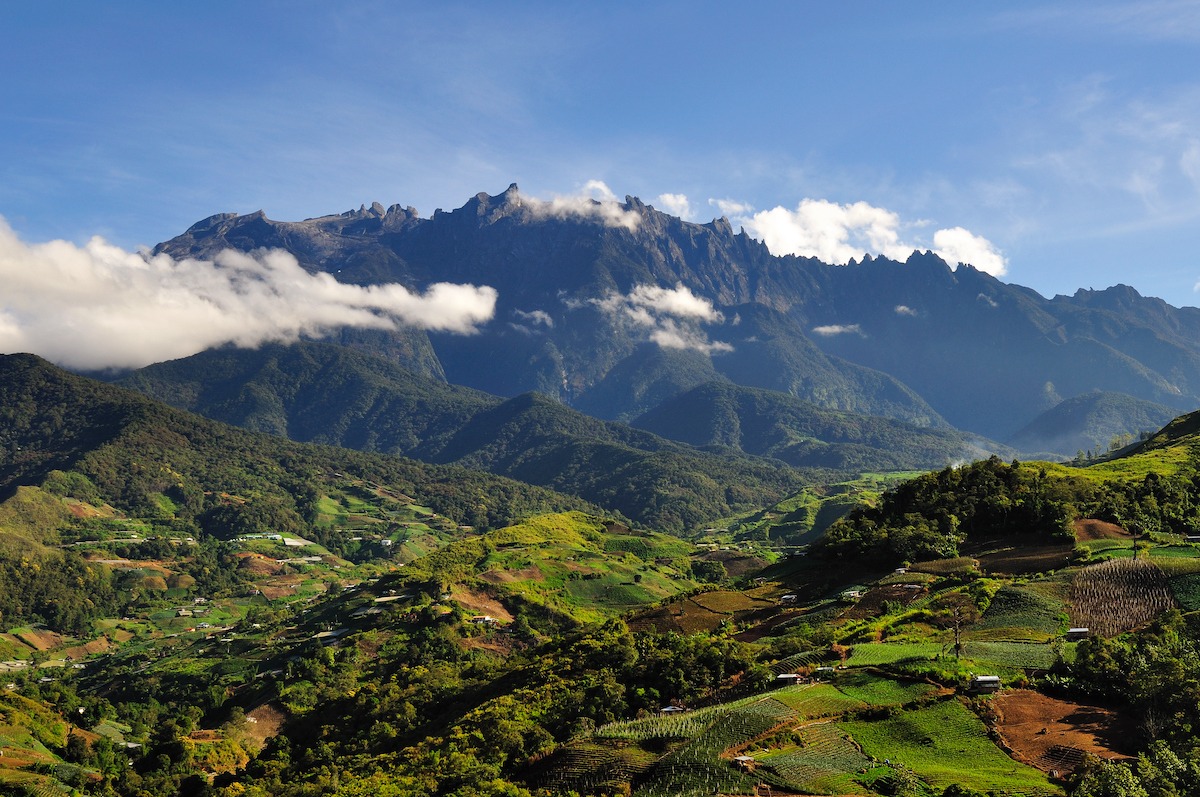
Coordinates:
(587, 313)
(1091, 422)
(773, 424)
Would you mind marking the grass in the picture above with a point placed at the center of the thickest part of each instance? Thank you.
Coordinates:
(945, 744)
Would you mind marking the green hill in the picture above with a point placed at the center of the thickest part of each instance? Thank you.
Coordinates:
(1095, 421)
(772, 424)
(328, 394)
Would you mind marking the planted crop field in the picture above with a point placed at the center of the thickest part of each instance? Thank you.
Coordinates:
(817, 700)
(697, 768)
(944, 744)
(1186, 591)
(1119, 595)
(823, 761)
(808, 658)
(1028, 559)
(875, 691)
(591, 768)
(1023, 613)
(945, 567)
(881, 653)
(1024, 655)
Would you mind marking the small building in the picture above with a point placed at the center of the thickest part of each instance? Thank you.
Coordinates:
(669, 710)
(851, 595)
(786, 679)
(789, 598)
(1076, 634)
(824, 672)
(985, 683)
(744, 762)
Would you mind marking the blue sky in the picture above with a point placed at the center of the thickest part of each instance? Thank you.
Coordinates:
(1063, 137)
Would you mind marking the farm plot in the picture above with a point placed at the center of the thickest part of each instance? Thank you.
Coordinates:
(823, 761)
(1019, 613)
(591, 768)
(697, 768)
(817, 700)
(1186, 591)
(881, 653)
(875, 691)
(944, 744)
(1022, 655)
(1056, 734)
(1027, 559)
(1119, 595)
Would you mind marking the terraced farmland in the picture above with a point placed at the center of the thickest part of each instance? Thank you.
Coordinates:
(823, 761)
(1119, 595)
(944, 744)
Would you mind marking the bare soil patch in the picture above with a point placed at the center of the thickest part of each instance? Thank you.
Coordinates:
(477, 602)
(1093, 529)
(1053, 734)
(258, 565)
(83, 651)
(508, 576)
(264, 722)
(39, 640)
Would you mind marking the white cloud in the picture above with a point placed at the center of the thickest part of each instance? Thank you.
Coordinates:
(903, 309)
(595, 202)
(672, 315)
(671, 335)
(676, 205)
(838, 329)
(836, 234)
(678, 301)
(957, 245)
(535, 317)
(99, 306)
(988, 300)
(731, 209)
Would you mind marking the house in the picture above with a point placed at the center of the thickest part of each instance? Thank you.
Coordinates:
(985, 683)
(744, 762)
(789, 598)
(1076, 634)
(669, 710)
(851, 595)
(823, 672)
(786, 679)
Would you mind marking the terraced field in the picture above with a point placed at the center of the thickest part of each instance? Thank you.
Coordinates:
(945, 744)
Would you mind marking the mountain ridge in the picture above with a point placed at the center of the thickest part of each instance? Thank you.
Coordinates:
(906, 340)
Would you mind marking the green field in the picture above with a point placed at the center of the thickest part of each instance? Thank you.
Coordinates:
(945, 744)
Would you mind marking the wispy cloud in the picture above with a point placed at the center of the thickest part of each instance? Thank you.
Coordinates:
(830, 330)
(672, 316)
(596, 202)
(99, 306)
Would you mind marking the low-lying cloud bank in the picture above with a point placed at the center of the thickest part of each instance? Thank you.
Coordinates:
(100, 307)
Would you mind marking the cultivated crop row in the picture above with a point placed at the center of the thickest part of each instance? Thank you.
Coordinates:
(697, 767)
(1119, 595)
